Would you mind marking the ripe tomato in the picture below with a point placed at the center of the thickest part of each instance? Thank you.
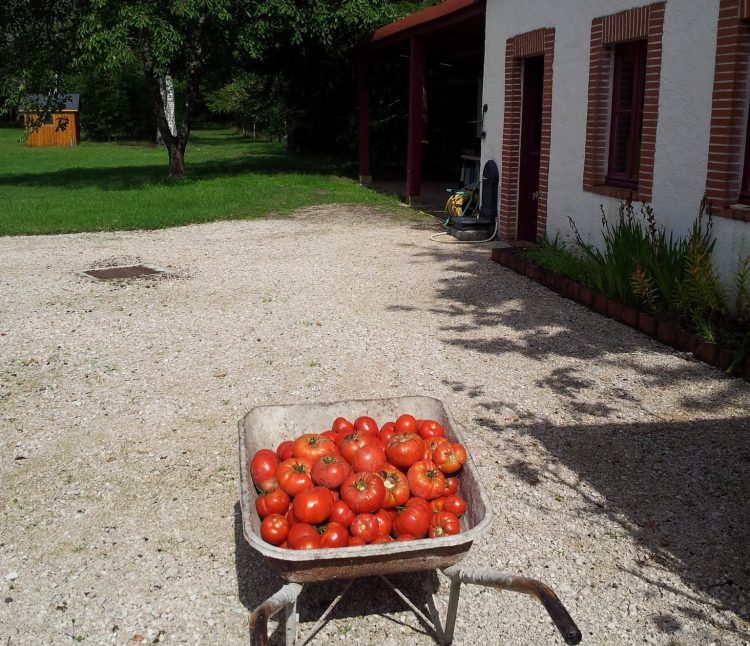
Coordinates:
(388, 431)
(290, 517)
(412, 519)
(396, 487)
(430, 428)
(455, 505)
(437, 505)
(330, 471)
(366, 424)
(405, 537)
(267, 486)
(381, 539)
(406, 424)
(420, 502)
(342, 427)
(273, 502)
(451, 485)
(285, 450)
(444, 524)
(274, 529)
(404, 449)
(355, 441)
(341, 513)
(331, 435)
(356, 540)
(369, 458)
(430, 444)
(333, 534)
(363, 492)
(426, 480)
(294, 475)
(263, 465)
(449, 457)
(313, 505)
(312, 446)
(385, 521)
(303, 536)
(365, 526)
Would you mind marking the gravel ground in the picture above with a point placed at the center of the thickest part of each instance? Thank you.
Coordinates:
(618, 468)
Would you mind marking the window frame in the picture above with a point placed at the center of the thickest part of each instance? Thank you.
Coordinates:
(629, 178)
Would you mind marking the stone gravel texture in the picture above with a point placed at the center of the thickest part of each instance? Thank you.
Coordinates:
(618, 468)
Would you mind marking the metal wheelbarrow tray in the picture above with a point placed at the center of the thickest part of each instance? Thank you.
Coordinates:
(268, 426)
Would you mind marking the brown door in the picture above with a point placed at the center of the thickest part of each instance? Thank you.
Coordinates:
(531, 142)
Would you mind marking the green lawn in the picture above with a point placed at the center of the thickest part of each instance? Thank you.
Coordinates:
(111, 186)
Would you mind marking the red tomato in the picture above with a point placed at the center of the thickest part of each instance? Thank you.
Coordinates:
(381, 539)
(365, 526)
(451, 485)
(294, 475)
(333, 534)
(268, 485)
(385, 521)
(444, 524)
(285, 450)
(290, 517)
(274, 529)
(426, 480)
(430, 428)
(366, 424)
(437, 505)
(455, 505)
(406, 424)
(396, 487)
(303, 536)
(412, 519)
(330, 471)
(405, 537)
(274, 502)
(449, 457)
(313, 505)
(356, 540)
(363, 492)
(404, 449)
(331, 435)
(341, 513)
(420, 502)
(342, 427)
(369, 458)
(355, 441)
(387, 432)
(430, 444)
(312, 446)
(263, 465)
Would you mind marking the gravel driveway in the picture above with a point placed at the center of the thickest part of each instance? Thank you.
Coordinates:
(618, 468)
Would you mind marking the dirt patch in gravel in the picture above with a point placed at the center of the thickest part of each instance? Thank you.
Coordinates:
(618, 468)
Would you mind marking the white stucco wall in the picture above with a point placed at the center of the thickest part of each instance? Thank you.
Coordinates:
(688, 56)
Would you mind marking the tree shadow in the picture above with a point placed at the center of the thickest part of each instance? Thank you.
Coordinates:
(368, 595)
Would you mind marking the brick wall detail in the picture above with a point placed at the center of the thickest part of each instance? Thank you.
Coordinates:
(728, 111)
(641, 23)
(540, 42)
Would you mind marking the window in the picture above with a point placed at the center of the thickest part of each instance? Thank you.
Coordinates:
(628, 75)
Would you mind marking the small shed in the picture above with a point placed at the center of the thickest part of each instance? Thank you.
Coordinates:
(59, 128)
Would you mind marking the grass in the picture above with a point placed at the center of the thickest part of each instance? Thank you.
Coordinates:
(118, 186)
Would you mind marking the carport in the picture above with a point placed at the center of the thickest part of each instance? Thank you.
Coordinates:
(443, 47)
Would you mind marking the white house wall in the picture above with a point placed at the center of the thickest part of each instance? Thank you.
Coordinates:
(682, 137)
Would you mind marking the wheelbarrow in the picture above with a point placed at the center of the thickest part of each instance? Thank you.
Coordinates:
(268, 426)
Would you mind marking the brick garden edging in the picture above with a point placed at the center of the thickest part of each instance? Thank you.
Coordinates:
(647, 323)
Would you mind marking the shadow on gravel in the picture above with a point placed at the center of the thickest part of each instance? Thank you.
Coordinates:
(679, 486)
(368, 596)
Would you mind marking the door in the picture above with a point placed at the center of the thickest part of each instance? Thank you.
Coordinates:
(531, 143)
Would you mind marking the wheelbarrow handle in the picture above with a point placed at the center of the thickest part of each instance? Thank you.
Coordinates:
(260, 616)
(513, 583)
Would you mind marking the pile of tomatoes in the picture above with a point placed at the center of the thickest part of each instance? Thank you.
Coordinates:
(358, 484)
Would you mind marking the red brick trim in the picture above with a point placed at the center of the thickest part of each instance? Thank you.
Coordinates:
(540, 42)
(646, 23)
(728, 108)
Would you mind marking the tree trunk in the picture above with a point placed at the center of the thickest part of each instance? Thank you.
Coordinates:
(166, 89)
(176, 162)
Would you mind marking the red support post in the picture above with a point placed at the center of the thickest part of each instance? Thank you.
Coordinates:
(363, 96)
(414, 142)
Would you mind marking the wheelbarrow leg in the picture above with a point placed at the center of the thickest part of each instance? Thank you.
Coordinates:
(291, 619)
(450, 619)
(259, 617)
